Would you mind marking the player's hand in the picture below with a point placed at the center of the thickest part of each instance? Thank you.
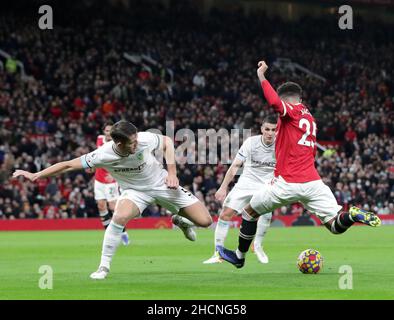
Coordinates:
(26, 174)
(221, 194)
(262, 68)
(172, 182)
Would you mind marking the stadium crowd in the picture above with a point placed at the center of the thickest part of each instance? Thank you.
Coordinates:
(200, 74)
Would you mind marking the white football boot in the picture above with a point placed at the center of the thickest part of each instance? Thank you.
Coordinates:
(261, 256)
(100, 274)
(214, 259)
(187, 229)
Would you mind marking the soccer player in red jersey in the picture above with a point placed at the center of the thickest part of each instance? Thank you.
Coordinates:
(106, 189)
(296, 178)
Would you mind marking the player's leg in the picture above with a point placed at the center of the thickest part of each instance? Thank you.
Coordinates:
(125, 236)
(277, 194)
(344, 220)
(223, 225)
(321, 202)
(124, 211)
(234, 203)
(192, 208)
(247, 232)
(112, 194)
(188, 210)
(101, 200)
(129, 206)
(105, 215)
(192, 215)
(221, 231)
(262, 226)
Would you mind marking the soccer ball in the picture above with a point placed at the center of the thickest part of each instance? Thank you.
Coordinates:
(310, 261)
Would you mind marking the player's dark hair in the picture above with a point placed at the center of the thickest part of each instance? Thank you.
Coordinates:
(122, 130)
(270, 119)
(289, 89)
(107, 123)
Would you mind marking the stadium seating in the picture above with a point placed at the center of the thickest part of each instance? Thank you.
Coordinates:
(199, 76)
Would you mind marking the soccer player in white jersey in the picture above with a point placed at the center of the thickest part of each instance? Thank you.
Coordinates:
(106, 189)
(143, 180)
(296, 178)
(257, 156)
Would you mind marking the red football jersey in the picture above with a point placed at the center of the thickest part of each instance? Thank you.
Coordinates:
(295, 142)
(102, 175)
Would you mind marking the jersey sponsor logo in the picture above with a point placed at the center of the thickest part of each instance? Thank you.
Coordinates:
(139, 168)
(257, 163)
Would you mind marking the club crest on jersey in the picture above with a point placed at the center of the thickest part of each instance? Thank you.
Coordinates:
(140, 156)
(305, 111)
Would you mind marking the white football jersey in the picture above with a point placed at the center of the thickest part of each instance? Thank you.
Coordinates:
(138, 171)
(258, 161)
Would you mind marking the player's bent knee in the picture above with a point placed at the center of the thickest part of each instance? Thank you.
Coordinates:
(226, 214)
(121, 220)
(125, 210)
(206, 224)
(206, 221)
(198, 214)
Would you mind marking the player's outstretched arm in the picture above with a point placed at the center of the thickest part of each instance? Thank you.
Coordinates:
(171, 181)
(221, 194)
(269, 93)
(54, 170)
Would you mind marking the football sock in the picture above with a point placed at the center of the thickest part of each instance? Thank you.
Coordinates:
(342, 222)
(262, 226)
(221, 232)
(112, 239)
(105, 218)
(246, 232)
(240, 255)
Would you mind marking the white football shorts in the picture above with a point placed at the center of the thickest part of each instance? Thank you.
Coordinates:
(316, 197)
(171, 199)
(106, 191)
(239, 197)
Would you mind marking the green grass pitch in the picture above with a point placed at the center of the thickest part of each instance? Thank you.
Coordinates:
(162, 264)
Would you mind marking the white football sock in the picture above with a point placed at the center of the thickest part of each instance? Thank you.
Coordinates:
(240, 255)
(221, 232)
(112, 239)
(262, 225)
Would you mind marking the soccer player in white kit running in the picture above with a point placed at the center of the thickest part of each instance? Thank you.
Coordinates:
(106, 189)
(129, 159)
(257, 156)
(296, 178)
